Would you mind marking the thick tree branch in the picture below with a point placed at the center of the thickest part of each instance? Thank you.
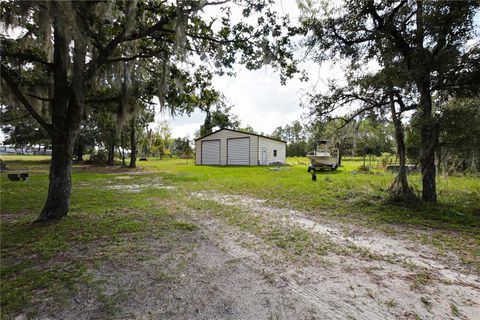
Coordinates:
(345, 98)
(379, 21)
(405, 22)
(357, 113)
(219, 41)
(392, 14)
(442, 41)
(369, 101)
(390, 30)
(402, 105)
(40, 98)
(16, 119)
(29, 57)
(102, 57)
(131, 58)
(7, 76)
(216, 3)
(349, 42)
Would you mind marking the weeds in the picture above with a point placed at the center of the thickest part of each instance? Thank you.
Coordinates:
(52, 258)
(48, 260)
(454, 310)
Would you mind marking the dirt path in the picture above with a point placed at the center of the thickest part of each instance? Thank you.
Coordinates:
(229, 269)
(183, 276)
(394, 278)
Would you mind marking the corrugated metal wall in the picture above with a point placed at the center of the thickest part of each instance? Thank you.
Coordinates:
(238, 151)
(254, 152)
(210, 152)
(269, 145)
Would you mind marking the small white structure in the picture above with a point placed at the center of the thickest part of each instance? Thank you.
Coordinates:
(231, 147)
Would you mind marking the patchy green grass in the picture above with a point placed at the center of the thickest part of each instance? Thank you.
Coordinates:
(43, 260)
(454, 310)
(294, 242)
(341, 193)
(350, 198)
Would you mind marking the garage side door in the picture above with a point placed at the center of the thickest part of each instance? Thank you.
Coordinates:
(238, 151)
(211, 152)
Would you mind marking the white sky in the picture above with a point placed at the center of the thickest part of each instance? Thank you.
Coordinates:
(259, 100)
(258, 97)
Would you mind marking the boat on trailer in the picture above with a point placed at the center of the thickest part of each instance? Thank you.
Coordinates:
(321, 159)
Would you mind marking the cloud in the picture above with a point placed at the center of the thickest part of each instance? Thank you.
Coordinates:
(258, 97)
(260, 100)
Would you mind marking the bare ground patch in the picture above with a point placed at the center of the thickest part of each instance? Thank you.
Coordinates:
(394, 278)
(138, 188)
(186, 277)
(124, 186)
(225, 270)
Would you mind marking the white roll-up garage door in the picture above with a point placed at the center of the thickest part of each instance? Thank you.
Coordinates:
(211, 152)
(238, 151)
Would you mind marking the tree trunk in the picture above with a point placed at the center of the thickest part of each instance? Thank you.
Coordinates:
(354, 144)
(80, 149)
(399, 190)
(428, 128)
(438, 153)
(428, 141)
(67, 109)
(60, 186)
(133, 145)
(207, 124)
(122, 152)
(111, 154)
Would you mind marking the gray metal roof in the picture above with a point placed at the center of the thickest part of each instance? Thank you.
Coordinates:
(250, 133)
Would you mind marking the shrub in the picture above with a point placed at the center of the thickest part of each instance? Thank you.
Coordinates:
(363, 168)
(99, 157)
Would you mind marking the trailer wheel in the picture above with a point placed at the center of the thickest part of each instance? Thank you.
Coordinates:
(334, 167)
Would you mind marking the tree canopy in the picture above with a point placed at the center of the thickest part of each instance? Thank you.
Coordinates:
(57, 55)
(422, 49)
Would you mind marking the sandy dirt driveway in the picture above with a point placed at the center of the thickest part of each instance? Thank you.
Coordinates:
(368, 275)
(249, 260)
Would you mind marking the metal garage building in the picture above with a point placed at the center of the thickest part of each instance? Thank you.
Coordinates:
(232, 147)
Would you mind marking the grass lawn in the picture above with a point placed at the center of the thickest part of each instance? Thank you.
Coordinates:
(42, 260)
(349, 198)
(340, 194)
(39, 261)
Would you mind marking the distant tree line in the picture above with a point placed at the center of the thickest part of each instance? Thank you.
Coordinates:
(362, 137)
(428, 62)
(88, 72)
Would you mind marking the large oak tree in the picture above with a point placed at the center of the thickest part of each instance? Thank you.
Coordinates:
(54, 54)
(428, 40)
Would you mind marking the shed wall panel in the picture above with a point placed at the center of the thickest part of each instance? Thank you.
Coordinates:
(211, 152)
(255, 144)
(266, 148)
(238, 151)
(198, 152)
